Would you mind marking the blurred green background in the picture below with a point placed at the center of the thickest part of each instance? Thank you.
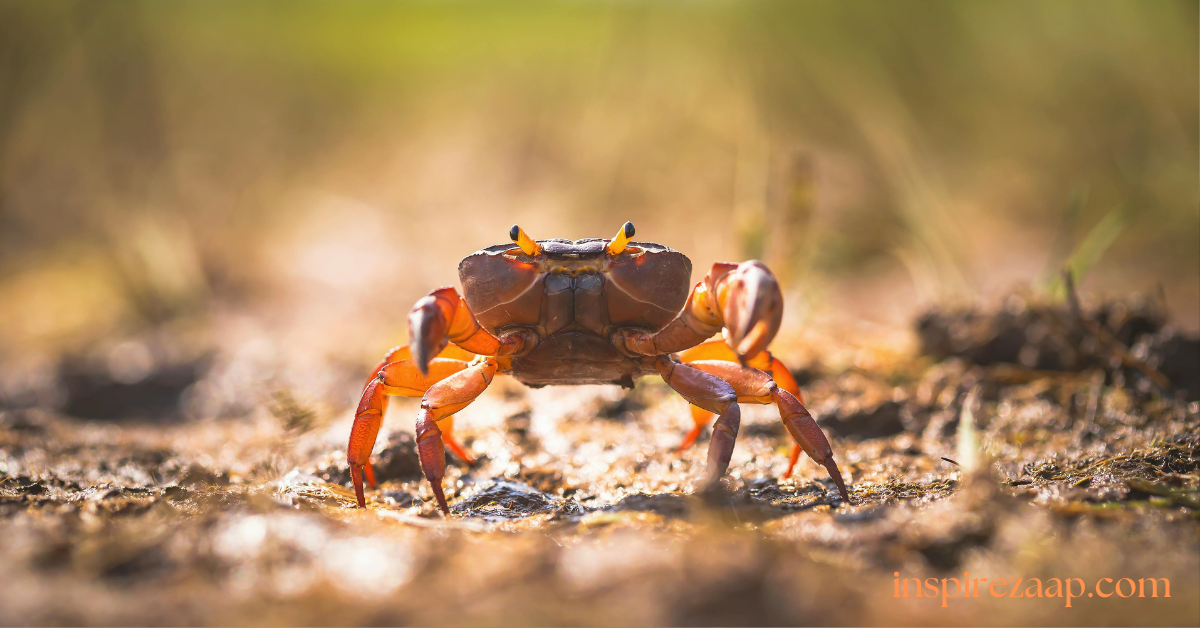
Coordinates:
(320, 165)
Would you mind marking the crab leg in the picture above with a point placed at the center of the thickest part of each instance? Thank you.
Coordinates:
(742, 298)
(755, 386)
(715, 395)
(718, 350)
(808, 434)
(395, 379)
(402, 352)
(441, 400)
(442, 317)
(783, 377)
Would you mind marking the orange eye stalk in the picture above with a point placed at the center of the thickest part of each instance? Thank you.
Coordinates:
(528, 246)
(619, 241)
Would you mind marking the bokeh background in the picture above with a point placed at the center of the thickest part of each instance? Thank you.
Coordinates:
(330, 162)
(214, 217)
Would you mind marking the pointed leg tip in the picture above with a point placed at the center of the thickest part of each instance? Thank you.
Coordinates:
(710, 487)
(458, 450)
(836, 475)
(369, 474)
(844, 495)
(357, 480)
(441, 499)
(689, 439)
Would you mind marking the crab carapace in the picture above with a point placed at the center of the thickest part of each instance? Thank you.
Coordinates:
(591, 311)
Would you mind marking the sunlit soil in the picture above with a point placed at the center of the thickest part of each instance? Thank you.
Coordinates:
(581, 511)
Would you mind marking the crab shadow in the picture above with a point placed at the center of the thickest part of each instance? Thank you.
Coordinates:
(759, 500)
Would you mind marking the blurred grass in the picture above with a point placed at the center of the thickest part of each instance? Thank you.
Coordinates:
(881, 155)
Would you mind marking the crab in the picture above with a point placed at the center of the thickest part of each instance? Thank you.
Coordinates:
(590, 311)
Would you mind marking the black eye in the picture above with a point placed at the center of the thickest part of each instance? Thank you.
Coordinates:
(515, 233)
(628, 229)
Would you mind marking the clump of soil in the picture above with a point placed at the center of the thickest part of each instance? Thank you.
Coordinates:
(1131, 340)
(1032, 440)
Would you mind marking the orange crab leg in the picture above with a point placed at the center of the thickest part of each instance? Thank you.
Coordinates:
(447, 427)
(700, 418)
(783, 377)
(715, 395)
(755, 386)
(369, 474)
(396, 379)
(397, 354)
(713, 350)
(367, 420)
(403, 352)
(745, 299)
(793, 458)
(718, 350)
(442, 400)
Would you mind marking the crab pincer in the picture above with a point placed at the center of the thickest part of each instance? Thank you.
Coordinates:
(752, 308)
(428, 323)
(442, 317)
(743, 299)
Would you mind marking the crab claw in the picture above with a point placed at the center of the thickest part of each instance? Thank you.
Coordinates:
(808, 435)
(428, 323)
(753, 309)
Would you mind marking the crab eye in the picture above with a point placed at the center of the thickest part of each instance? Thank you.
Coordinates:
(528, 246)
(619, 241)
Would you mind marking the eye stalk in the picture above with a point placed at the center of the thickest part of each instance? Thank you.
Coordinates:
(619, 241)
(528, 246)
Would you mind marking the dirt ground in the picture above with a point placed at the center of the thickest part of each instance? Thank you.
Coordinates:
(1017, 440)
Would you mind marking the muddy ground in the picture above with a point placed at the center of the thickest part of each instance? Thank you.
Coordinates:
(170, 482)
